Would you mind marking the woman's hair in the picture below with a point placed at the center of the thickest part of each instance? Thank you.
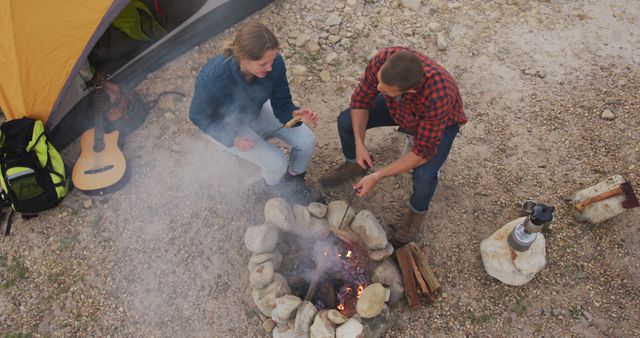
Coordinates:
(403, 69)
(251, 42)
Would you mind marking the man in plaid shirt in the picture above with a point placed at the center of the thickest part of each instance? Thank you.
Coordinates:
(401, 87)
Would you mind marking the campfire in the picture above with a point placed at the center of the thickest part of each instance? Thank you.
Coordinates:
(338, 280)
(341, 271)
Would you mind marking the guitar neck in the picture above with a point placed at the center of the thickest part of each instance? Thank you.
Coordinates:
(100, 107)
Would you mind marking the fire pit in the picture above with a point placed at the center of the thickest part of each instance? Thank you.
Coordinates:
(331, 280)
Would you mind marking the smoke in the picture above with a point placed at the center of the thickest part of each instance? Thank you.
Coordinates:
(181, 220)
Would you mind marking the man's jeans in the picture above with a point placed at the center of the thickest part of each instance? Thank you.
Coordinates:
(269, 157)
(425, 177)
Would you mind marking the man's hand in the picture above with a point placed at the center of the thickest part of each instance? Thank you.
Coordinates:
(363, 158)
(243, 143)
(367, 184)
(307, 116)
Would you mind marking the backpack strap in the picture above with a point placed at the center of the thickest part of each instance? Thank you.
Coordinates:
(4, 201)
(49, 167)
(6, 229)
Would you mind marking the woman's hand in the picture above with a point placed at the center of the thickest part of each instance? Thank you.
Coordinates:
(243, 143)
(307, 116)
(367, 184)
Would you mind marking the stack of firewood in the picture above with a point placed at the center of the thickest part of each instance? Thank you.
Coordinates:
(417, 275)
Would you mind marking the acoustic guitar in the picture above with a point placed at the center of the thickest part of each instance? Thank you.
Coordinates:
(101, 163)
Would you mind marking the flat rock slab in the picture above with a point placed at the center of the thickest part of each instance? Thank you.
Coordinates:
(507, 265)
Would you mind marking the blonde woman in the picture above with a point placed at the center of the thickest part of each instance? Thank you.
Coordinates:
(242, 96)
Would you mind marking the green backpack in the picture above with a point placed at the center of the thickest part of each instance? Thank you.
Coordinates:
(32, 172)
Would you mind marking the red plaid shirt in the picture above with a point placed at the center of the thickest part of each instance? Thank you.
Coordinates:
(435, 105)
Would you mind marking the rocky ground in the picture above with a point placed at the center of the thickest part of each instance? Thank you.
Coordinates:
(550, 89)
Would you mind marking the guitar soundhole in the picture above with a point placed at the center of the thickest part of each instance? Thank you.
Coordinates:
(99, 170)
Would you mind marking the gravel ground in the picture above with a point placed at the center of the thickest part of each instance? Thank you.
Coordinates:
(164, 255)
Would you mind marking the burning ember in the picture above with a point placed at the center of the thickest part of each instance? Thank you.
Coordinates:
(342, 266)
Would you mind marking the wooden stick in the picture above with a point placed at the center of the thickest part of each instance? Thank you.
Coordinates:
(346, 236)
(424, 267)
(431, 298)
(419, 279)
(404, 260)
(311, 291)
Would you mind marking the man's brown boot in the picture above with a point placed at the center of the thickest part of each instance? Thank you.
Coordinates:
(407, 229)
(342, 173)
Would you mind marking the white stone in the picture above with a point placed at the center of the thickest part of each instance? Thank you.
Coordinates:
(389, 275)
(317, 209)
(277, 211)
(350, 329)
(499, 262)
(335, 212)
(325, 76)
(285, 333)
(302, 39)
(265, 299)
(261, 238)
(366, 225)
(333, 39)
(286, 306)
(333, 20)
(302, 215)
(411, 4)
(322, 327)
(381, 254)
(331, 57)
(299, 71)
(304, 316)
(434, 27)
(313, 47)
(601, 211)
(275, 257)
(336, 317)
(308, 226)
(607, 114)
(261, 275)
(371, 300)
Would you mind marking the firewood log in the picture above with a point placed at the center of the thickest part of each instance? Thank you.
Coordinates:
(423, 266)
(408, 277)
(421, 282)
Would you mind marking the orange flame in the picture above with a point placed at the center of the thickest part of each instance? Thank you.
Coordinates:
(360, 289)
(349, 253)
(341, 307)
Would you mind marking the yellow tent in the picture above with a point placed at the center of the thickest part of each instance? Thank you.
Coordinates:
(41, 43)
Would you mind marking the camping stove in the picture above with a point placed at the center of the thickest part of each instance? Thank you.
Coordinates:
(524, 234)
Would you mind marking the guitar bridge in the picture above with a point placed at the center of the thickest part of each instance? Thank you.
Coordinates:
(99, 170)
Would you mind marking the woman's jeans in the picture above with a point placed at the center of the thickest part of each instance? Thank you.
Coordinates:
(425, 177)
(270, 158)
